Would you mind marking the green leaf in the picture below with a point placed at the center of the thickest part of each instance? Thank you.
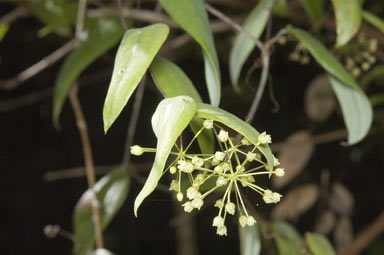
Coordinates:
(171, 117)
(174, 82)
(136, 52)
(192, 17)
(288, 240)
(357, 111)
(3, 30)
(206, 111)
(112, 190)
(348, 20)
(250, 243)
(319, 244)
(374, 20)
(243, 46)
(376, 72)
(356, 108)
(60, 15)
(103, 34)
(377, 99)
(314, 10)
(281, 8)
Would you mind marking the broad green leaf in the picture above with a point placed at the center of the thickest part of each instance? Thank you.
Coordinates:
(357, 111)
(192, 17)
(319, 244)
(60, 15)
(171, 117)
(348, 20)
(174, 82)
(288, 240)
(250, 243)
(206, 111)
(376, 72)
(377, 99)
(112, 190)
(136, 52)
(243, 46)
(102, 34)
(314, 10)
(323, 56)
(374, 20)
(356, 108)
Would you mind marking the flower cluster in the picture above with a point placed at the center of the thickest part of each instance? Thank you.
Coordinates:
(230, 169)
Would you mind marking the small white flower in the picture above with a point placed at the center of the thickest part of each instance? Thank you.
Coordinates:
(180, 196)
(243, 220)
(215, 162)
(221, 180)
(275, 161)
(172, 170)
(136, 150)
(222, 230)
(276, 197)
(251, 156)
(197, 161)
(174, 185)
(218, 169)
(230, 208)
(264, 138)
(225, 166)
(245, 141)
(208, 124)
(197, 203)
(218, 221)
(219, 204)
(219, 155)
(185, 166)
(192, 192)
(188, 207)
(250, 221)
(198, 180)
(280, 172)
(267, 196)
(223, 136)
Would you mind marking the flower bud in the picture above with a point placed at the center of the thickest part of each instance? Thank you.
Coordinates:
(197, 161)
(264, 138)
(250, 221)
(218, 221)
(208, 124)
(136, 150)
(192, 192)
(180, 196)
(172, 170)
(221, 180)
(279, 172)
(219, 204)
(230, 208)
(243, 220)
(219, 155)
(223, 136)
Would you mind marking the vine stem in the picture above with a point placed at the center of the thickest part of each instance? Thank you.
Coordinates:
(89, 166)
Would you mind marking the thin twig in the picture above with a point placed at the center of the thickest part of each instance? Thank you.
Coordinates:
(89, 166)
(81, 9)
(13, 15)
(121, 14)
(133, 123)
(39, 66)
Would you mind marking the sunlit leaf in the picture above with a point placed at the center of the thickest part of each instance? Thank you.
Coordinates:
(314, 9)
(356, 108)
(319, 244)
(288, 240)
(374, 20)
(102, 34)
(174, 82)
(3, 31)
(192, 17)
(206, 111)
(250, 243)
(243, 46)
(348, 20)
(171, 117)
(136, 52)
(357, 111)
(58, 14)
(112, 191)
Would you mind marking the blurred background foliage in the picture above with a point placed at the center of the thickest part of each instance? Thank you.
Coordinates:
(328, 188)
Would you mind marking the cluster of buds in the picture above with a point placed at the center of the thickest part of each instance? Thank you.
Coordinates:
(359, 55)
(300, 54)
(230, 169)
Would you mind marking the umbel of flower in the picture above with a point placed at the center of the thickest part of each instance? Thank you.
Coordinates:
(233, 167)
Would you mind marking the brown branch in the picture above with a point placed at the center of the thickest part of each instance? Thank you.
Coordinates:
(39, 66)
(89, 166)
(365, 237)
(13, 15)
(81, 9)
